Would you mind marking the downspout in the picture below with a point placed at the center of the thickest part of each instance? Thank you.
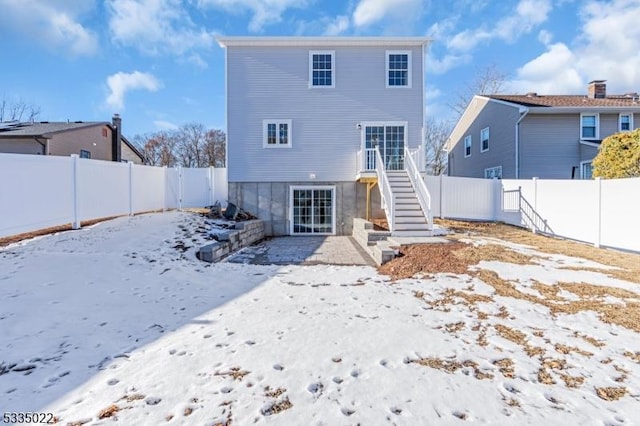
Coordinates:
(522, 116)
(45, 145)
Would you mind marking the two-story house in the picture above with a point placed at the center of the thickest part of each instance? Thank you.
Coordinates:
(315, 123)
(545, 136)
(96, 139)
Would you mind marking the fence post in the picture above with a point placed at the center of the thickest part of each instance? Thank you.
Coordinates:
(76, 189)
(599, 213)
(441, 195)
(130, 165)
(164, 186)
(179, 187)
(498, 196)
(535, 205)
(211, 185)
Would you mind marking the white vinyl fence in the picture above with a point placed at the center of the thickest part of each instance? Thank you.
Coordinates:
(601, 212)
(39, 192)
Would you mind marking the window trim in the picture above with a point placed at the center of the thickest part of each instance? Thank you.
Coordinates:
(582, 163)
(622, 114)
(481, 140)
(597, 130)
(464, 145)
(84, 153)
(409, 66)
(333, 68)
(277, 122)
(493, 168)
(333, 208)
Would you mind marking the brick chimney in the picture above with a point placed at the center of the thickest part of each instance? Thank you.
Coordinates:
(597, 89)
(116, 143)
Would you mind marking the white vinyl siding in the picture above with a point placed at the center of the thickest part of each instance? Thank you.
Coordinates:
(484, 139)
(398, 68)
(322, 68)
(625, 122)
(467, 146)
(276, 133)
(589, 126)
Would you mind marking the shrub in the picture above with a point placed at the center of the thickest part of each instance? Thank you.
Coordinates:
(619, 156)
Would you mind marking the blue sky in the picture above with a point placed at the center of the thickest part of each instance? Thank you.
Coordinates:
(157, 64)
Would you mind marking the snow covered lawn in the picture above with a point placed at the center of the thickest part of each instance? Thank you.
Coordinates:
(121, 321)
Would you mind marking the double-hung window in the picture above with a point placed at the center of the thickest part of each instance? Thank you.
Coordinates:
(493, 172)
(398, 68)
(625, 122)
(276, 134)
(322, 68)
(484, 139)
(589, 126)
(467, 146)
(85, 154)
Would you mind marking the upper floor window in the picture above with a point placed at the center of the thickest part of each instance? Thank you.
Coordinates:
(625, 122)
(322, 68)
(589, 126)
(484, 139)
(85, 154)
(398, 68)
(276, 134)
(467, 146)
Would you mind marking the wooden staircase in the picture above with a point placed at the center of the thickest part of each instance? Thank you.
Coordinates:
(410, 220)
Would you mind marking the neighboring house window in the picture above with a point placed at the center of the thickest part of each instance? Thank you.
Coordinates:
(626, 122)
(276, 134)
(398, 69)
(484, 139)
(322, 68)
(586, 170)
(589, 126)
(493, 173)
(467, 146)
(85, 154)
(104, 132)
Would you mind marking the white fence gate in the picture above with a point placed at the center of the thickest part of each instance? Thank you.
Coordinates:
(601, 212)
(39, 192)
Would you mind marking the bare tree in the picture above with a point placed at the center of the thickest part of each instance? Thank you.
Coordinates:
(192, 145)
(488, 81)
(18, 110)
(215, 148)
(436, 135)
(159, 148)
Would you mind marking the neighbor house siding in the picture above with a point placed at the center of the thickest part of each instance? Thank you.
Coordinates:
(608, 124)
(273, 83)
(549, 145)
(501, 120)
(87, 138)
(129, 155)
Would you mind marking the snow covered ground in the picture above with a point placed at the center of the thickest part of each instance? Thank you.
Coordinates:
(121, 321)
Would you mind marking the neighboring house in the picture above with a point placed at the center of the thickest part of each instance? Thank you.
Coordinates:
(545, 136)
(304, 118)
(95, 140)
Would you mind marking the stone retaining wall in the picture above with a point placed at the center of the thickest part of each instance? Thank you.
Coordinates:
(244, 234)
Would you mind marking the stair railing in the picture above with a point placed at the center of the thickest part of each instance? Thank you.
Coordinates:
(387, 195)
(420, 188)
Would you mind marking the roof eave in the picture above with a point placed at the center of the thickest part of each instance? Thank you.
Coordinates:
(248, 41)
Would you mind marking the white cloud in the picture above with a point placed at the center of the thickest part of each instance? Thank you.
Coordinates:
(369, 12)
(448, 62)
(264, 12)
(54, 23)
(337, 26)
(120, 83)
(528, 15)
(606, 48)
(165, 125)
(156, 26)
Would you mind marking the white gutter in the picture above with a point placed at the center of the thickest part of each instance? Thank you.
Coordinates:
(523, 114)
